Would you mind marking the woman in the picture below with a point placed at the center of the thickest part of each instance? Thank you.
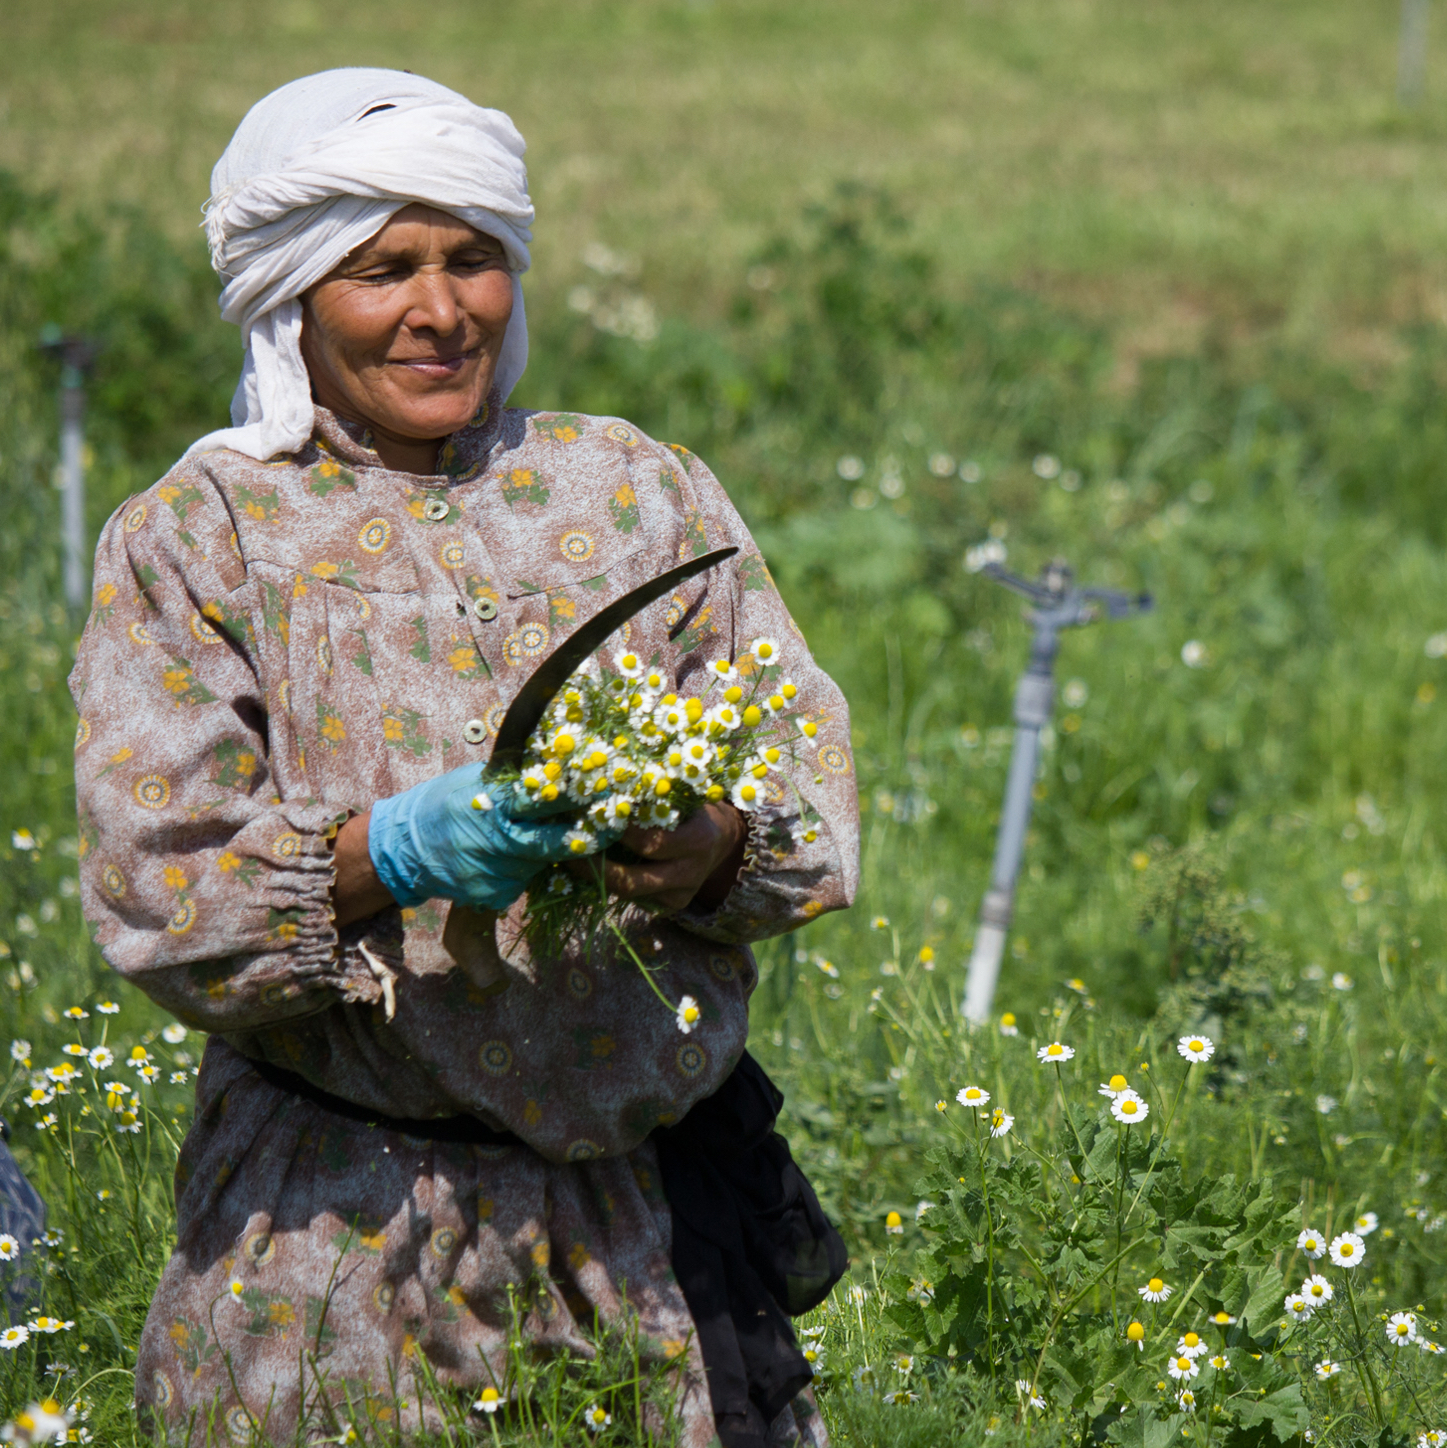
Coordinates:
(303, 639)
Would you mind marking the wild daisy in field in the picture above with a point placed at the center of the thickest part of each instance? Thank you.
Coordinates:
(1402, 1328)
(813, 1355)
(1326, 1370)
(972, 1096)
(1298, 1309)
(1347, 1250)
(1054, 1054)
(1222, 1319)
(1008, 1026)
(1000, 1122)
(1190, 1345)
(9, 1248)
(1136, 1333)
(595, 1419)
(488, 1401)
(102, 1058)
(1114, 1086)
(13, 1337)
(20, 1051)
(1432, 1438)
(1317, 1290)
(1221, 1363)
(1155, 1290)
(687, 1016)
(920, 1209)
(108, 1008)
(1187, 1400)
(1129, 1108)
(1312, 1243)
(901, 1397)
(863, 1378)
(1182, 1368)
(894, 1224)
(1196, 1048)
(1365, 1224)
(1035, 1399)
(942, 1107)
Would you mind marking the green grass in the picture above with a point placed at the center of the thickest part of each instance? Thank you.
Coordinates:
(1191, 252)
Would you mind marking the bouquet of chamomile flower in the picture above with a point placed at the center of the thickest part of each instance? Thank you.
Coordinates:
(623, 748)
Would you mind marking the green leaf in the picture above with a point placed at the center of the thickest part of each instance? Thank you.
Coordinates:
(1141, 1428)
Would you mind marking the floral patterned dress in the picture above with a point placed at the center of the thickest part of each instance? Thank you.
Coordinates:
(273, 647)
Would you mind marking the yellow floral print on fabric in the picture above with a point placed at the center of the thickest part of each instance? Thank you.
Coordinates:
(374, 536)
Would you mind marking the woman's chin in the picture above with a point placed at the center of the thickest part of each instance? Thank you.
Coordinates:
(434, 413)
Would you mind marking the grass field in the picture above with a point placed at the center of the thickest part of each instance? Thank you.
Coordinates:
(1163, 285)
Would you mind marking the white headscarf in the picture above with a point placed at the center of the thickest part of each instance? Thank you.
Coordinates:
(313, 171)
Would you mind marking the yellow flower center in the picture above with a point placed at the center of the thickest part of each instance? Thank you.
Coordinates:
(1053, 1050)
(1195, 1045)
(1117, 1082)
(690, 1014)
(893, 1220)
(1155, 1284)
(1136, 1332)
(1127, 1108)
(1191, 1340)
(733, 693)
(1008, 1019)
(1346, 1249)
(490, 1395)
(1183, 1363)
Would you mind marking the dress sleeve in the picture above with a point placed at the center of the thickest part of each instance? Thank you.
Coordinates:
(802, 853)
(198, 882)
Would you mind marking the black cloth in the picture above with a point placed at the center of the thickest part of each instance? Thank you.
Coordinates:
(466, 1129)
(751, 1248)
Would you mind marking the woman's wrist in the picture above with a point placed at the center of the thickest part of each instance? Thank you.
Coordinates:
(359, 891)
(719, 884)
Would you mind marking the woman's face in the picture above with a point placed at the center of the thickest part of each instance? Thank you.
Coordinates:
(404, 335)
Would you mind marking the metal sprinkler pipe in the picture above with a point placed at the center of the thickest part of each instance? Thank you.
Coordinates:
(77, 357)
(1057, 604)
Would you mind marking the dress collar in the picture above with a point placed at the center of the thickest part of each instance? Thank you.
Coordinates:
(460, 458)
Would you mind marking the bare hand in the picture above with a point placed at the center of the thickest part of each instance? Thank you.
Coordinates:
(697, 864)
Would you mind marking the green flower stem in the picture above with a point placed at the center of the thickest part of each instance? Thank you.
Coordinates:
(980, 1148)
(1069, 1119)
(1363, 1358)
(1185, 1298)
(1119, 1194)
(647, 974)
(1161, 1144)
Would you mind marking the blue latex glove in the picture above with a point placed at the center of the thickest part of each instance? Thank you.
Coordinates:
(433, 842)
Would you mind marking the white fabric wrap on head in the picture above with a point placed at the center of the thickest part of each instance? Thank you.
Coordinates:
(308, 177)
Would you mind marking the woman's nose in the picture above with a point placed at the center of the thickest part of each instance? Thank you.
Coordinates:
(434, 304)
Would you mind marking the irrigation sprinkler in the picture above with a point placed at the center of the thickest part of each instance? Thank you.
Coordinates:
(1056, 603)
(76, 356)
(1412, 52)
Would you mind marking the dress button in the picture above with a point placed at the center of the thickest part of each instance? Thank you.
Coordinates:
(474, 731)
(435, 509)
(484, 608)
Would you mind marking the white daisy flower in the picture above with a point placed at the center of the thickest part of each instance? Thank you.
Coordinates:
(1365, 1224)
(14, 1337)
(723, 671)
(765, 650)
(1190, 1345)
(863, 1378)
(1432, 1438)
(595, 1419)
(724, 718)
(1220, 1362)
(688, 1015)
(1312, 1243)
(1008, 1026)
(972, 1096)
(1347, 1250)
(1000, 1122)
(803, 832)
(128, 1123)
(628, 664)
(904, 1363)
(1327, 1369)
(920, 1209)
(76, 1013)
(1427, 1345)
(20, 1051)
(746, 795)
(1182, 1368)
(1155, 1290)
(108, 1008)
(1114, 1086)
(581, 842)
(1298, 1308)
(894, 1224)
(673, 718)
(1128, 1108)
(49, 1325)
(1402, 1328)
(488, 1401)
(901, 1397)
(1196, 1048)
(1054, 1053)
(9, 1248)
(173, 1034)
(1035, 1400)
(73, 1048)
(1317, 1290)
(1341, 981)
(102, 1058)
(178, 1078)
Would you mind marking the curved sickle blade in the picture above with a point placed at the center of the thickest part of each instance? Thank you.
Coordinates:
(534, 697)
